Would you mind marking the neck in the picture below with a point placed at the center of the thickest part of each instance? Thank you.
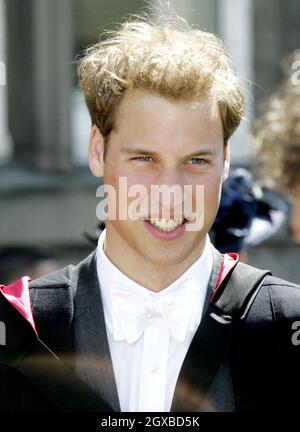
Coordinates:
(153, 276)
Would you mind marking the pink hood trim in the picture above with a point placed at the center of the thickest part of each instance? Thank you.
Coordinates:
(17, 293)
(229, 261)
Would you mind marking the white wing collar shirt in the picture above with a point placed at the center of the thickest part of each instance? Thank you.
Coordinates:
(150, 333)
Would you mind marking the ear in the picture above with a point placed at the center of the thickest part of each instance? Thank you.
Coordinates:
(96, 151)
(226, 161)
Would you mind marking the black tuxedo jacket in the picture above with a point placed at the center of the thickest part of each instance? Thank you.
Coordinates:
(262, 372)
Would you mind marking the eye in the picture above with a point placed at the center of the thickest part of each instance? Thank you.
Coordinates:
(198, 161)
(143, 158)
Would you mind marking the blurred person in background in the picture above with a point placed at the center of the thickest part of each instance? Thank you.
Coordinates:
(248, 214)
(277, 142)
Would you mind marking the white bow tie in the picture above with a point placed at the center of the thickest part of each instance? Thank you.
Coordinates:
(131, 311)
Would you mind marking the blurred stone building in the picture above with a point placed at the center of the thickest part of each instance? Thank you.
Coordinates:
(47, 194)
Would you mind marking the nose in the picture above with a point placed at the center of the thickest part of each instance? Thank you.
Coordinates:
(168, 193)
(170, 176)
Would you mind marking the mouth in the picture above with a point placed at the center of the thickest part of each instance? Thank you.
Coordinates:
(166, 229)
(166, 225)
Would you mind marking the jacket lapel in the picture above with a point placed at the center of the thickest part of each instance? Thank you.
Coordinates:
(188, 395)
(92, 356)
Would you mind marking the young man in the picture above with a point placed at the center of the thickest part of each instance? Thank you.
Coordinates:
(128, 320)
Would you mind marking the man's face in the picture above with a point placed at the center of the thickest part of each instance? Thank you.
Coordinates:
(159, 141)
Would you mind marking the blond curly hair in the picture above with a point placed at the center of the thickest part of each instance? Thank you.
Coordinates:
(277, 135)
(168, 57)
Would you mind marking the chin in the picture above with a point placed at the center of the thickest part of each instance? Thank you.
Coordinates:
(163, 259)
(167, 255)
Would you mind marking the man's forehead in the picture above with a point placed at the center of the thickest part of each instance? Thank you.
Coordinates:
(141, 96)
(139, 101)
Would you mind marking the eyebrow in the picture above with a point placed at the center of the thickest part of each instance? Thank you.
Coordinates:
(142, 151)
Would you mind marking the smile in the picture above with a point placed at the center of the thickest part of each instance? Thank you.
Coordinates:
(166, 229)
(166, 224)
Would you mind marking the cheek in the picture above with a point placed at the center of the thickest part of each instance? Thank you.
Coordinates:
(131, 195)
(212, 196)
(212, 188)
(206, 197)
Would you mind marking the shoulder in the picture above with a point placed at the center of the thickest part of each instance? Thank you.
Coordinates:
(57, 278)
(48, 291)
(52, 305)
(62, 282)
(266, 354)
(277, 299)
(284, 297)
(52, 298)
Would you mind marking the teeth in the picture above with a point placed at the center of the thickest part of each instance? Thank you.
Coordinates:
(166, 224)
